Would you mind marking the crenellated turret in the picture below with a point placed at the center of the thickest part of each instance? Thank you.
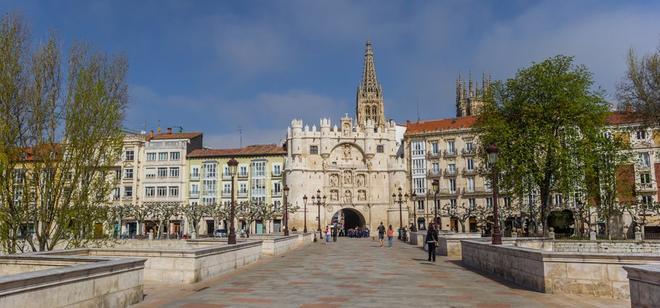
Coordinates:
(326, 146)
(296, 134)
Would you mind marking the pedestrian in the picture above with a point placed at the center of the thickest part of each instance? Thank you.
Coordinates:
(327, 234)
(334, 233)
(390, 236)
(381, 233)
(431, 240)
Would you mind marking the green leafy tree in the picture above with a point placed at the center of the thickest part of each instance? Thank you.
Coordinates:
(544, 121)
(60, 136)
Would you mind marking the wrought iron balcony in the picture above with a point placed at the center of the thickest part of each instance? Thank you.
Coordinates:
(431, 155)
(645, 187)
(450, 154)
(468, 152)
(450, 173)
(434, 173)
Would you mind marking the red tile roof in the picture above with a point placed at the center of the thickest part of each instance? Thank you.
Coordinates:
(251, 150)
(622, 117)
(164, 136)
(440, 125)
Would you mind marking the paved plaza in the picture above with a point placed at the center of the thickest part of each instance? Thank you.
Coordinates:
(359, 273)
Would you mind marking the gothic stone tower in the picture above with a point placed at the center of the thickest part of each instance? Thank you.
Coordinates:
(369, 98)
(470, 98)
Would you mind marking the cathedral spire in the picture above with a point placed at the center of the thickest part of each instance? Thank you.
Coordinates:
(369, 100)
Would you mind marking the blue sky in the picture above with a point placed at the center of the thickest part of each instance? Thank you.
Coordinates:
(215, 66)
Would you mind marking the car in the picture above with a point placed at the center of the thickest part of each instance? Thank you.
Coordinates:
(220, 233)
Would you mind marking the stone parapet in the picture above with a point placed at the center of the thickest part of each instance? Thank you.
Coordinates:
(596, 274)
(72, 281)
(644, 283)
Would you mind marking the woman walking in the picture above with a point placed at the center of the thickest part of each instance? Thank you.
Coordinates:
(390, 236)
(431, 240)
(328, 233)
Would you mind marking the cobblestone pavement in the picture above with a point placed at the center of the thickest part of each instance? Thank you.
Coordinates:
(359, 273)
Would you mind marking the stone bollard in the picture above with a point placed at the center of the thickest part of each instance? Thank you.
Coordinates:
(551, 234)
(592, 235)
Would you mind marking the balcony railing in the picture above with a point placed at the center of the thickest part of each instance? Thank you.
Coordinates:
(276, 174)
(194, 177)
(449, 154)
(449, 172)
(448, 192)
(467, 171)
(226, 194)
(242, 175)
(468, 152)
(475, 190)
(645, 187)
(194, 194)
(242, 194)
(276, 194)
(431, 155)
(434, 173)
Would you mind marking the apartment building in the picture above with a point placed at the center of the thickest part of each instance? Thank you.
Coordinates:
(259, 179)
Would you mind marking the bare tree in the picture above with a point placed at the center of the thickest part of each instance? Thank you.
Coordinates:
(640, 88)
(219, 212)
(60, 137)
(194, 213)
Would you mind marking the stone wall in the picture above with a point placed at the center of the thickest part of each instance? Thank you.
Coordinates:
(644, 285)
(554, 272)
(417, 238)
(607, 246)
(78, 282)
(277, 245)
(450, 244)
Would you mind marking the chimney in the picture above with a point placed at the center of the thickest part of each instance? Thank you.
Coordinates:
(169, 130)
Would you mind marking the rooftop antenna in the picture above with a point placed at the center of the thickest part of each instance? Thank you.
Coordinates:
(240, 134)
(418, 108)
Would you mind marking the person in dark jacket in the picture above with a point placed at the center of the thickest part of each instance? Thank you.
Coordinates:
(431, 240)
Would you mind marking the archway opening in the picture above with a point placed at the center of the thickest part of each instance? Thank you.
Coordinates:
(348, 219)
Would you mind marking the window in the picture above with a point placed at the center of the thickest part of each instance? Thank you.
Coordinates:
(118, 174)
(209, 170)
(225, 171)
(209, 187)
(380, 148)
(470, 164)
(452, 168)
(115, 194)
(194, 189)
(419, 185)
(472, 203)
(258, 187)
(489, 203)
(162, 172)
(645, 178)
(417, 148)
(558, 200)
(128, 173)
(150, 173)
(243, 171)
(128, 191)
(161, 191)
(451, 147)
(644, 160)
(418, 166)
(151, 156)
(175, 155)
(452, 185)
(242, 188)
(435, 167)
(277, 188)
(162, 156)
(194, 172)
(641, 134)
(129, 155)
(469, 146)
(507, 202)
(210, 201)
(470, 184)
(149, 191)
(313, 149)
(174, 191)
(420, 205)
(452, 203)
(226, 188)
(647, 199)
(258, 168)
(277, 170)
(174, 172)
(277, 204)
(434, 147)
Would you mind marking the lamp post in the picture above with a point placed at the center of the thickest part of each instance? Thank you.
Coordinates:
(305, 214)
(400, 200)
(436, 191)
(414, 225)
(318, 218)
(492, 158)
(233, 166)
(286, 210)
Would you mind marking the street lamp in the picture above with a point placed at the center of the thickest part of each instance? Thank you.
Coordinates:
(233, 166)
(492, 159)
(436, 191)
(318, 204)
(401, 199)
(305, 214)
(286, 210)
(414, 225)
